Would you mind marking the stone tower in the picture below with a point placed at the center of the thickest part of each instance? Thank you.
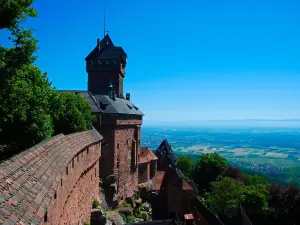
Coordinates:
(118, 120)
(106, 62)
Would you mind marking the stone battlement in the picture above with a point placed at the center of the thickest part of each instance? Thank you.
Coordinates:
(48, 182)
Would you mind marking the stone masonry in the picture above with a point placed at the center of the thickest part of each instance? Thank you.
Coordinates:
(127, 174)
(40, 184)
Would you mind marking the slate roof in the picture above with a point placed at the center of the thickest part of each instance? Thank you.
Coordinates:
(146, 155)
(165, 149)
(28, 180)
(117, 105)
(105, 104)
(107, 50)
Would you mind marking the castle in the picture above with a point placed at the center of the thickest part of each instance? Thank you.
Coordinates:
(55, 181)
(118, 120)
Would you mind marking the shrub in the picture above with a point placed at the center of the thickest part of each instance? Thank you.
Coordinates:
(144, 215)
(130, 219)
(86, 223)
(95, 204)
(137, 213)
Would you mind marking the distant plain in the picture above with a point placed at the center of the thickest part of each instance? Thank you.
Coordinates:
(272, 151)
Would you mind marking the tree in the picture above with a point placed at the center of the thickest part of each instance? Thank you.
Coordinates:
(24, 89)
(253, 180)
(207, 169)
(185, 164)
(30, 109)
(234, 173)
(25, 109)
(72, 113)
(256, 198)
(12, 12)
(225, 196)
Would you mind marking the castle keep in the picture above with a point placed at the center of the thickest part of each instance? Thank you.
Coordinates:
(118, 119)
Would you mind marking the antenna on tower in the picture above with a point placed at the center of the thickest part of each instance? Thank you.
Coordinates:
(104, 23)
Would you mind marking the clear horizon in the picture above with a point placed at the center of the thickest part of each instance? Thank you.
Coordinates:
(197, 60)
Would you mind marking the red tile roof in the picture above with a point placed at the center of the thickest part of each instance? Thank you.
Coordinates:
(28, 180)
(146, 155)
(158, 179)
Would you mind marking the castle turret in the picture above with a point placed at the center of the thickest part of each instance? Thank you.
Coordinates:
(106, 62)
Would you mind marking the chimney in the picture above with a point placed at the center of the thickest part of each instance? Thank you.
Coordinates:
(128, 96)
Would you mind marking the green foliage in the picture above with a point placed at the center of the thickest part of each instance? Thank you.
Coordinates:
(25, 117)
(12, 12)
(30, 109)
(72, 113)
(95, 204)
(226, 194)
(207, 169)
(253, 180)
(86, 223)
(185, 164)
(137, 213)
(256, 197)
(130, 219)
(144, 216)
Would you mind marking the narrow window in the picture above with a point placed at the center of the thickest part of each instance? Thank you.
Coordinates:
(78, 158)
(45, 217)
(87, 151)
(55, 195)
(118, 146)
(91, 177)
(72, 163)
(60, 182)
(67, 171)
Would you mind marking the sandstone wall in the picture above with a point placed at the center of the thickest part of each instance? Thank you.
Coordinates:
(78, 186)
(79, 203)
(53, 182)
(126, 144)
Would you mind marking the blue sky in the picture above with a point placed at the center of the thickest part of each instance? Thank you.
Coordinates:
(187, 60)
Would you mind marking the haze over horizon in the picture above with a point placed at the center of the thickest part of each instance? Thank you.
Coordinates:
(197, 60)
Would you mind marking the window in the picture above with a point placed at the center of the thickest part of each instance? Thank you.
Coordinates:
(118, 146)
(72, 163)
(60, 182)
(91, 177)
(45, 217)
(78, 158)
(87, 151)
(55, 195)
(127, 142)
(67, 171)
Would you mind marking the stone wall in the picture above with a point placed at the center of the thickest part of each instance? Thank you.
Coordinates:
(79, 203)
(144, 172)
(126, 145)
(54, 182)
(72, 197)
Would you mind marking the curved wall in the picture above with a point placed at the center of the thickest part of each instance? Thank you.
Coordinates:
(53, 182)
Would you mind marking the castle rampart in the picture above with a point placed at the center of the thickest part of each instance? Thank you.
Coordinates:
(53, 182)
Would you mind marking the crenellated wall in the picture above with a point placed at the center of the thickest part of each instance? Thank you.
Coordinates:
(53, 182)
